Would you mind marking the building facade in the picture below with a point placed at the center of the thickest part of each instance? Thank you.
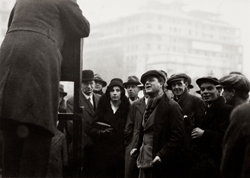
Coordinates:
(164, 36)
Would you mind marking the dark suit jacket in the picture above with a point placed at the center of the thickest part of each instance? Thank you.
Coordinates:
(30, 59)
(236, 144)
(207, 150)
(194, 111)
(132, 135)
(168, 136)
(88, 115)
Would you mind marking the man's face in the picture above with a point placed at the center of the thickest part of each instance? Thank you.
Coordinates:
(115, 93)
(209, 93)
(132, 90)
(228, 95)
(88, 87)
(178, 87)
(98, 86)
(153, 85)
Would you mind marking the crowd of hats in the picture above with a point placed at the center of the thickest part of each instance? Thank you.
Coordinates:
(234, 80)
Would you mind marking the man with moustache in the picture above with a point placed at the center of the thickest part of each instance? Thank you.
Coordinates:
(208, 137)
(162, 132)
(88, 102)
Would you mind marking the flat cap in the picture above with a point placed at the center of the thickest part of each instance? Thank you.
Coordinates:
(180, 76)
(155, 73)
(209, 79)
(235, 81)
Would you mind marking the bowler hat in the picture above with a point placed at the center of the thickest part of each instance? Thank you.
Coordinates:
(235, 81)
(209, 79)
(87, 75)
(116, 82)
(176, 77)
(98, 78)
(155, 73)
(132, 80)
(61, 90)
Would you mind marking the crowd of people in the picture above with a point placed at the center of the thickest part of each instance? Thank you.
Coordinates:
(168, 132)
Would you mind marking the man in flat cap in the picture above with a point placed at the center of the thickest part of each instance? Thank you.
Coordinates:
(208, 137)
(88, 102)
(99, 84)
(162, 133)
(132, 88)
(235, 89)
(192, 106)
(236, 147)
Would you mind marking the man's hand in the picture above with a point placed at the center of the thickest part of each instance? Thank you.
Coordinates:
(157, 160)
(197, 132)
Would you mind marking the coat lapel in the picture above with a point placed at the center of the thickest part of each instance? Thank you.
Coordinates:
(141, 106)
(84, 103)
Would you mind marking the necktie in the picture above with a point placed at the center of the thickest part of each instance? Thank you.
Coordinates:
(91, 102)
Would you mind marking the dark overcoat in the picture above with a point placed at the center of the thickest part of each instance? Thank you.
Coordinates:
(168, 137)
(207, 150)
(132, 135)
(194, 111)
(30, 59)
(108, 152)
(236, 144)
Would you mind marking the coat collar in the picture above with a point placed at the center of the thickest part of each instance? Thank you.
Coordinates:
(141, 105)
(85, 103)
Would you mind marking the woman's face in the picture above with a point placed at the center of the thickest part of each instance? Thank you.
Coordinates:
(115, 93)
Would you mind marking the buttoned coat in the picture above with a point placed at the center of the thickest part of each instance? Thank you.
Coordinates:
(132, 135)
(236, 144)
(30, 59)
(168, 136)
(88, 115)
(207, 150)
(193, 110)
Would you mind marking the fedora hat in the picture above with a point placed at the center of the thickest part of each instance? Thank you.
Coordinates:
(132, 80)
(98, 78)
(61, 90)
(87, 75)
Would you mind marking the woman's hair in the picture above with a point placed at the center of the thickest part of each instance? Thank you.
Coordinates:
(110, 88)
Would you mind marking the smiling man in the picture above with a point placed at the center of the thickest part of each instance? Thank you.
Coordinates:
(208, 137)
(192, 106)
(162, 130)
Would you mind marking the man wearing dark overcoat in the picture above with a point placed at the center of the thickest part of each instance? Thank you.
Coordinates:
(162, 131)
(30, 64)
(207, 146)
(193, 107)
(88, 102)
(236, 144)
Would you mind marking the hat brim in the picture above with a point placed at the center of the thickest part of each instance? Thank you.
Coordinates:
(104, 84)
(203, 80)
(131, 83)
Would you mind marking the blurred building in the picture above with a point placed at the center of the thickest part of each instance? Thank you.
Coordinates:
(164, 36)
